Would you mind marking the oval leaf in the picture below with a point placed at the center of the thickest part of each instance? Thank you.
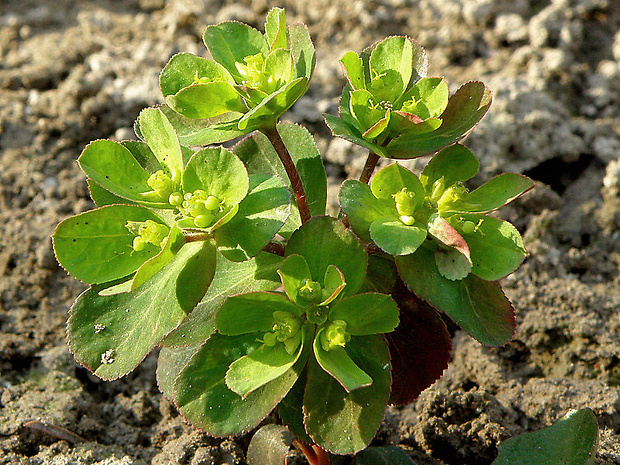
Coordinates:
(479, 307)
(96, 246)
(111, 335)
(206, 402)
(332, 416)
(571, 441)
(270, 446)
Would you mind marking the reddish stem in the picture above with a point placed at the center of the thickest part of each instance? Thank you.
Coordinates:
(275, 248)
(322, 455)
(369, 167)
(296, 184)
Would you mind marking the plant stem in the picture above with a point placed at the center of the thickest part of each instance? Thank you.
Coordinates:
(314, 454)
(196, 237)
(275, 248)
(322, 455)
(369, 167)
(293, 175)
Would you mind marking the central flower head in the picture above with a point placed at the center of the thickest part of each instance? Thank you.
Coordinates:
(335, 335)
(286, 329)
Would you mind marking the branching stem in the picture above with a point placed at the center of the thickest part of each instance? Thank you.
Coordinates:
(369, 167)
(293, 175)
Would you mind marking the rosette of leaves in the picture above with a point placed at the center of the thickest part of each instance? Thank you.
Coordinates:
(149, 250)
(251, 81)
(447, 249)
(319, 343)
(390, 107)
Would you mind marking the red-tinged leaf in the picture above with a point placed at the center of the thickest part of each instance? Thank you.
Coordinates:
(453, 259)
(465, 109)
(420, 348)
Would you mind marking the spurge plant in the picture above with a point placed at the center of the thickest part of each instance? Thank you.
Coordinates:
(225, 258)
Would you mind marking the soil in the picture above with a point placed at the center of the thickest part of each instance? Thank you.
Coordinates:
(76, 70)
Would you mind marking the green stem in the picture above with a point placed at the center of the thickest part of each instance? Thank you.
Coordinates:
(369, 167)
(293, 175)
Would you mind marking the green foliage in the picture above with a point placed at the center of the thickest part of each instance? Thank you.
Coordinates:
(573, 440)
(225, 258)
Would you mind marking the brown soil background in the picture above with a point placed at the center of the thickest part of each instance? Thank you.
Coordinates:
(76, 70)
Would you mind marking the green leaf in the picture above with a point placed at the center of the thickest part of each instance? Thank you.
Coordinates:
(275, 28)
(203, 132)
(302, 50)
(324, 241)
(392, 179)
(270, 445)
(341, 128)
(96, 246)
(341, 422)
(387, 455)
(291, 412)
(478, 306)
(362, 207)
(261, 215)
(465, 109)
(496, 247)
(392, 59)
(573, 440)
(170, 363)
(430, 96)
(103, 197)
(111, 335)
(267, 112)
(256, 274)
(370, 313)
(338, 364)
(248, 373)
(160, 136)
(453, 164)
(220, 173)
(174, 242)
(259, 156)
(230, 42)
(397, 238)
(499, 191)
(294, 271)
(381, 274)
(354, 70)
(206, 402)
(113, 167)
(185, 69)
(143, 154)
(251, 313)
(400, 54)
(206, 100)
